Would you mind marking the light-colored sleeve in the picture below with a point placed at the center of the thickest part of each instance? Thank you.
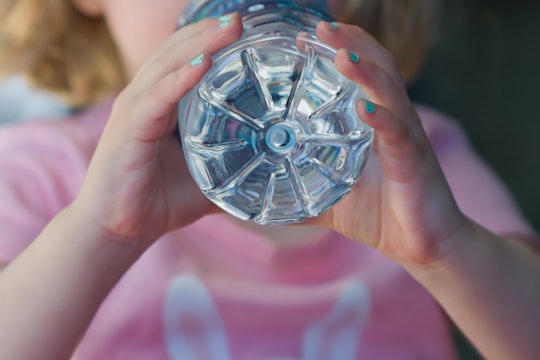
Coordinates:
(478, 190)
(20, 102)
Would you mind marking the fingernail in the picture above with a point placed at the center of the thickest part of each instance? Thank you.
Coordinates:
(333, 26)
(224, 24)
(369, 107)
(225, 20)
(354, 57)
(198, 60)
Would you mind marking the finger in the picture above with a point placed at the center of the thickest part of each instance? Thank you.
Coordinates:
(376, 82)
(403, 153)
(191, 30)
(208, 36)
(155, 106)
(339, 35)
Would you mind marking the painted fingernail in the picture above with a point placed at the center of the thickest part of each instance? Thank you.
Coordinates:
(333, 26)
(198, 60)
(369, 107)
(225, 20)
(354, 57)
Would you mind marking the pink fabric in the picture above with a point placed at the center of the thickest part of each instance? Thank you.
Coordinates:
(216, 290)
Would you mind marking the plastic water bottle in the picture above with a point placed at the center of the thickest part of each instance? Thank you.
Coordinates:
(271, 133)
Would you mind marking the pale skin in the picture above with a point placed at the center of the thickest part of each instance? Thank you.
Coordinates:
(138, 189)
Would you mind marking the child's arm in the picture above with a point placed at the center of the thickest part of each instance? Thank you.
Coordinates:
(404, 208)
(49, 294)
(137, 189)
(489, 287)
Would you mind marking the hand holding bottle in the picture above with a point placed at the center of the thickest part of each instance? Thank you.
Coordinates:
(401, 205)
(137, 185)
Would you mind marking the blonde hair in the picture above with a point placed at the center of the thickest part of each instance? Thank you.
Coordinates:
(59, 49)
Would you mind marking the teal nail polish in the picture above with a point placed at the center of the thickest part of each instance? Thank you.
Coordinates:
(225, 18)
(198, 60)
(334, 26)
(354, 57)
(369, 107)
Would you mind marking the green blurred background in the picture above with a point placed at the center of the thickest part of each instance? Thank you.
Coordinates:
(484, 71)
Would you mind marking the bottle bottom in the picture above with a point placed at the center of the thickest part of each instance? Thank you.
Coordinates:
(271, 134)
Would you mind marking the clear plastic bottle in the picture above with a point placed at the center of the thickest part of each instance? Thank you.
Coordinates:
(271, 133)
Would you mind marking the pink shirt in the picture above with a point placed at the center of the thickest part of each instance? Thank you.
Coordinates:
(215, 290)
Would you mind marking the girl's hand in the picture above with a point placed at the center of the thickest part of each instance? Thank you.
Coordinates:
(402, 205)
(138, 186)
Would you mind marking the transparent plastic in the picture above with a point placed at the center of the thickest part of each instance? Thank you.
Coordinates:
(271, 133)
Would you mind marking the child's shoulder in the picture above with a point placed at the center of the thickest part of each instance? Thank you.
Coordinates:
(43, 164)
(48, 157)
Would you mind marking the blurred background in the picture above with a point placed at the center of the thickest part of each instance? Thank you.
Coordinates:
(485, 72)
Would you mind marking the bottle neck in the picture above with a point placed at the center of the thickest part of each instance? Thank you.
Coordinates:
(252, 11)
